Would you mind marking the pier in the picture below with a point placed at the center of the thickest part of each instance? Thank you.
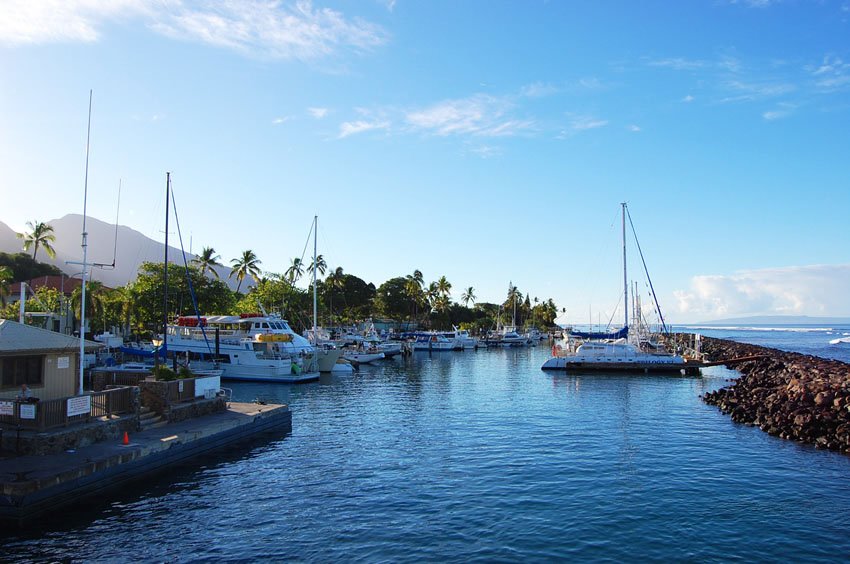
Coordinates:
(34, 485)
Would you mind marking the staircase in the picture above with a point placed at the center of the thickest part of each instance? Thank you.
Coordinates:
(150, 419)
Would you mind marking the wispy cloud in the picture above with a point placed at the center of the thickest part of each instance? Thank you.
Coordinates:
(280, 120)
(832, 74)
(361, 126)
(679, 63)
(688, 99)
(782, 111)
(256, 28)
(796, 290)
(317, 113)
(583, 123)
(538, 90)
(59, 21)
(478, 115)
(634, 128)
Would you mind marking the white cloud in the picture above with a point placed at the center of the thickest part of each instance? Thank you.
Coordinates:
(818, 290)
(538, 90)
(678, 63)
(583, 123)
(479, 115)
(361, 126)
(261, 28)
(634, 128)
(280, 120)
(57, 21)
(833, 73)
(688, 99)
(486, 151)
(317, 113)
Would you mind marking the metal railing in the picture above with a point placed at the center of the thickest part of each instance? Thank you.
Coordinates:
(48, 414)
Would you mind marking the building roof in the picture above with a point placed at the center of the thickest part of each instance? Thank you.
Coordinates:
(18, 338)
(62, 283)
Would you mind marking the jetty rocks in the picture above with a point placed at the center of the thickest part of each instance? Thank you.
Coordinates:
(789, 395)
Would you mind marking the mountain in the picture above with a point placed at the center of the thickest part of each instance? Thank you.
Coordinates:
(130, 251)
(777, 320)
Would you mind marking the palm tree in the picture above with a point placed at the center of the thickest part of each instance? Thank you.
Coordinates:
(468, 296)
(444, 286)
(319, 264)
(295, 270)
(247, 265)
(432, 293)
(207, 260)
(334, 281)
(514, 296)
(40, 235)
(5, 280)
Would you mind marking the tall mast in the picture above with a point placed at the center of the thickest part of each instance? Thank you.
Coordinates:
(315, 303)
(625, 276)
(165, 271)
(85, 257)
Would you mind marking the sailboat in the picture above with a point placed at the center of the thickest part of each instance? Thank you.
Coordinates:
(328, 356)
(616, 352)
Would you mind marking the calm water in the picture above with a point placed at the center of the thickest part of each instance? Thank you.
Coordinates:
(479, 456)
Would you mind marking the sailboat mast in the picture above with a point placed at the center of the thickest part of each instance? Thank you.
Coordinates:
(315, 302)
(85, 250)
(165, 271)
(625, 276)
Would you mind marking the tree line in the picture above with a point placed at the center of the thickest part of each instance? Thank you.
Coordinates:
(343, 298)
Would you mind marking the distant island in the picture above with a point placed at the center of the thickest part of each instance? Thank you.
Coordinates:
(776, 320)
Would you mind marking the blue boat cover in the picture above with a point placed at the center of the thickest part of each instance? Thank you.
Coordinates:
(621, 334)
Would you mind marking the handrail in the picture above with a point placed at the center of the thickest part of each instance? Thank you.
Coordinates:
(48, 414)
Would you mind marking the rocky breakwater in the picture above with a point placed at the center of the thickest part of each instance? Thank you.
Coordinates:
(789, 395)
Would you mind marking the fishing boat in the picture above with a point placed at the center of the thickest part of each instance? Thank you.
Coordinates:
(620, 351)
(250, 346)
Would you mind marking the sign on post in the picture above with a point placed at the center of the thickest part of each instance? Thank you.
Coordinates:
(7, 408)
(79, 405)
(26, 410)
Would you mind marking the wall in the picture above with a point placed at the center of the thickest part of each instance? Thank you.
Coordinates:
(56, 382)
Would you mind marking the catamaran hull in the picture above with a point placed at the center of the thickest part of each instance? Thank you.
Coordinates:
(570, 365)
(251, 374)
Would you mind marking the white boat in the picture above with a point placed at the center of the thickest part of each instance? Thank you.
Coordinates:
(462, 339)
(618, 355)
(359, 356)
(508, 337)
(626, 354)
(253, 347)
(432, 342)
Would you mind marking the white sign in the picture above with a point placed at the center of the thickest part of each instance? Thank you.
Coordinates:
(63, 362)
(7, 408)
(27, 410)
(203, 385)
(79, 405)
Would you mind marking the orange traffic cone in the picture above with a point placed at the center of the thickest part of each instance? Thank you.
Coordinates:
(126, 440)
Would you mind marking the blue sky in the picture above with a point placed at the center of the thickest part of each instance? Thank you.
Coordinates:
(487, 141)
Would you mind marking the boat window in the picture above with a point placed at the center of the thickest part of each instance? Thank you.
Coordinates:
(256, 325)
(265, 325)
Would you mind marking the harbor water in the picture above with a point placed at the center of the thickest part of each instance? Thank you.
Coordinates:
(477, 455)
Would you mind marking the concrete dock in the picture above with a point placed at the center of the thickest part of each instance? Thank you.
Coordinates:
(32, 485)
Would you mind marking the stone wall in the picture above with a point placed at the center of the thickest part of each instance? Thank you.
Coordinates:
(73, 437)
(197, 408)
(789, 395)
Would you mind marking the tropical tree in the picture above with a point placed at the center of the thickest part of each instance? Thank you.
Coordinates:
(334, 283)
(468, 296)
(40, 235)
(207, 261)
(23, 266)
(295, 270)
(319, 264)
(5, 283)
(444, 287)
(247, 265)
(514, 298)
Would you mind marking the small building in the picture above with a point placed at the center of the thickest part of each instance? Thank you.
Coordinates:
(48, 362)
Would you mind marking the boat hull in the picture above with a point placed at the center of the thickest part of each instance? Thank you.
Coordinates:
(644, 366)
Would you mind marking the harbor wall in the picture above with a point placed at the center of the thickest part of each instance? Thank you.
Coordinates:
(788, 395)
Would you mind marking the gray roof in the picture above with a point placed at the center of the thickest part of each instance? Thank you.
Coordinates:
(17, 338)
